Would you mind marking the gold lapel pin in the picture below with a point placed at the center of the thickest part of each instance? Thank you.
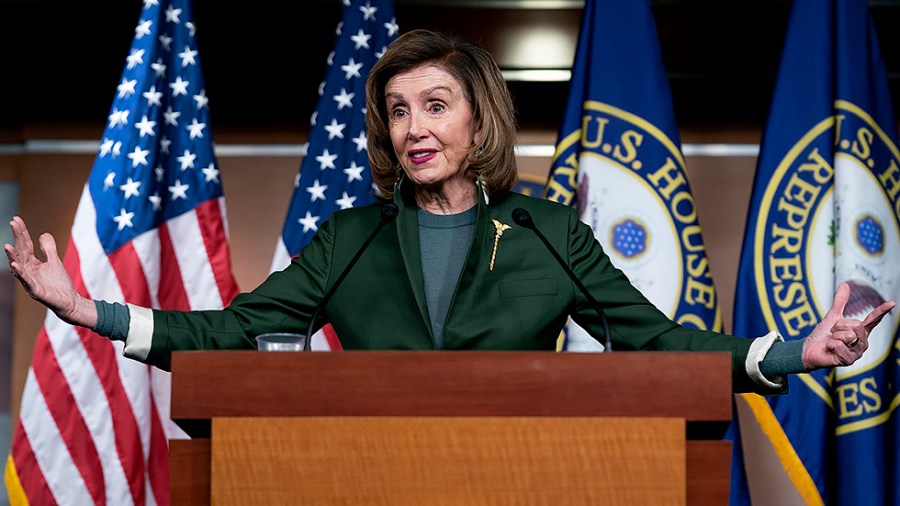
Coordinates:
(500, 227)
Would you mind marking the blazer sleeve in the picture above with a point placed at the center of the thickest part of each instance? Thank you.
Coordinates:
(284, 302)
(635, 323)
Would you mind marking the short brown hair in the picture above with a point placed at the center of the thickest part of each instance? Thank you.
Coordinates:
(484, 87)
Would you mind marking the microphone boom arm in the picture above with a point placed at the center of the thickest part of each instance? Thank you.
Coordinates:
(388, 214)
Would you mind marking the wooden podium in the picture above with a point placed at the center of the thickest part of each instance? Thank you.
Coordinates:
(450, 428)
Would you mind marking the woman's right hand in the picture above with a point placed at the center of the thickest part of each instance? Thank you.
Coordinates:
(47, 282)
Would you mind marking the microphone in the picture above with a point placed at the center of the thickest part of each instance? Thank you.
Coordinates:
(523, 219)
(388, 214)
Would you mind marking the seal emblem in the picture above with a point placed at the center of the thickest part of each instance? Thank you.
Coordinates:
(633, 192)
(826, 219)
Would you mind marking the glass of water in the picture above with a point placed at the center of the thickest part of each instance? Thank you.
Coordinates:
(280, 341)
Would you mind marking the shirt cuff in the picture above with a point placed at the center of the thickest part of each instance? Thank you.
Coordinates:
(757, 353)
(140, 333)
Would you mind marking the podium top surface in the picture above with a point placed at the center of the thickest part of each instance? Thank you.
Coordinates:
(695, 386)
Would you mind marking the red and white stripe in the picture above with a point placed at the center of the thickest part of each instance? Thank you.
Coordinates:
(93, 425)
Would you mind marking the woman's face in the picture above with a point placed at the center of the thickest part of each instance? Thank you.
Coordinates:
(431, 125)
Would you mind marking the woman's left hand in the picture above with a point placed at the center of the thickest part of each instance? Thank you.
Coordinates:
(839, 341)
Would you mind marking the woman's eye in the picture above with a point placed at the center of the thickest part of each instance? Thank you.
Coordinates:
(436, 107)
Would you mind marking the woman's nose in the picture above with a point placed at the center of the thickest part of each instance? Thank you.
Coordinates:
(418, 127)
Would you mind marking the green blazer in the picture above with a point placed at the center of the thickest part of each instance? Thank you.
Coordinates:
(520, 304)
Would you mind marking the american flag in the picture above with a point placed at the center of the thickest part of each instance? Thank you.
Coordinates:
(150, 229)
(334, 174)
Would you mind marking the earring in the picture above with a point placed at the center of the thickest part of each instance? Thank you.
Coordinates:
(479, 152)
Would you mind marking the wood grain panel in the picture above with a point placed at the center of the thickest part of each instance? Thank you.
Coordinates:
(189, 471)
(448, 461)
(708, 472)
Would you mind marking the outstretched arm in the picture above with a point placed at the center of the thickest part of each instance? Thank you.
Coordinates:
(839, 341)
(47, 282)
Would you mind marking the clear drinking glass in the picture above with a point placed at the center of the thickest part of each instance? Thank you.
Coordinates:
(280, 341)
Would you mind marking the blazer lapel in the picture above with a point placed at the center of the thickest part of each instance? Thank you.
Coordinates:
(481, 240)
(408, 237)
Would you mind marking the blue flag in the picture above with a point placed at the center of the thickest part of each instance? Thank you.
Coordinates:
(618, 158)
(824, 210)
(335, 174)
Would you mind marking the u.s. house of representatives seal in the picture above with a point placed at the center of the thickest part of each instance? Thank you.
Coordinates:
(830, 214)
(634, 193)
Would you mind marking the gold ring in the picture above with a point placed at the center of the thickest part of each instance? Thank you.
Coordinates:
(853, 343)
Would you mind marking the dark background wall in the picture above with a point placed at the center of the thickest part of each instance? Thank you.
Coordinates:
(263, 59)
